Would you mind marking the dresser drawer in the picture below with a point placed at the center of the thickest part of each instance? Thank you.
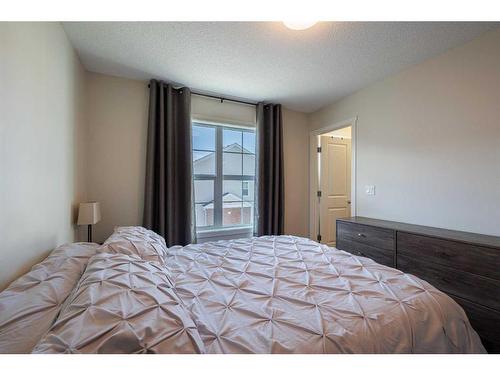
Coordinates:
(466, 266)
(372, 236)
(482, 290)
(479, 260)
(382, 256)
(485, 321)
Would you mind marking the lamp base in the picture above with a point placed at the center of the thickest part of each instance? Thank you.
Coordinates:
(89, 233)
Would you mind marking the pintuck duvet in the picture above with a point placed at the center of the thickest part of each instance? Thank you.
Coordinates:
(272, 294)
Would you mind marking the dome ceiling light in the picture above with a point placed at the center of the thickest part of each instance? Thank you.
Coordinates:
(299, 25)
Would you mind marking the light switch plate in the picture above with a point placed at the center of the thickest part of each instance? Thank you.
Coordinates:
(370, 189)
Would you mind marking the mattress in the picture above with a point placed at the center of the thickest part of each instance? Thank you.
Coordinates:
(271, 294)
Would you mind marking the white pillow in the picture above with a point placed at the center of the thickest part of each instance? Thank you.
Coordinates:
(138, 242)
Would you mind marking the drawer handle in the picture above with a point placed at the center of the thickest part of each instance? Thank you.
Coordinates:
(361, 235)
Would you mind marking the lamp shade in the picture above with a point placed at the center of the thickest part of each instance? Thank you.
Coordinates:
(89, 213)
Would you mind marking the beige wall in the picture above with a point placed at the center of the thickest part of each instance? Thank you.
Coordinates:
(117, 111)
(117, 114)
(42, 143)
(296, 146)
(429, 139)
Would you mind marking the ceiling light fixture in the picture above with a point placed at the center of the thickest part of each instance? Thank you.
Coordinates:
(299, 25)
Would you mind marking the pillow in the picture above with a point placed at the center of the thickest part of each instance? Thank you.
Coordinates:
(123, 305)
(137, 242)
(30, 304)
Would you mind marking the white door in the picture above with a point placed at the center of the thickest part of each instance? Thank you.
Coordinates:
(335, 185)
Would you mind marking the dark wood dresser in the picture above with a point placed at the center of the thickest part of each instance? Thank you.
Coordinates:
(466, 266)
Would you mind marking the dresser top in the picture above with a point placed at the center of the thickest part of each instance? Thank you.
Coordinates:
(454, 235)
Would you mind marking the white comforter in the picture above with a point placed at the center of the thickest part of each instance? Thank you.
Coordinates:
(292, 295)
(279, 294)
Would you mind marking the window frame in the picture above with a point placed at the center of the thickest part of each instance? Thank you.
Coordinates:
(218, 178)
(246, 187)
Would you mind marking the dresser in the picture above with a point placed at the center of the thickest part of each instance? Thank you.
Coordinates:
(466, 266)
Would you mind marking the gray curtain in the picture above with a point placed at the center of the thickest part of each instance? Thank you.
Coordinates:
(168, 203)
(270, 204)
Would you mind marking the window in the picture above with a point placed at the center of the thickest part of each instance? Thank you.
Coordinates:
(224, 175)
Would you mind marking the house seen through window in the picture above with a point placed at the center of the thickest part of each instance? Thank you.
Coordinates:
(224, 175)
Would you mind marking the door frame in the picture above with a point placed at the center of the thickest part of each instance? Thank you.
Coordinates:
(313, 170)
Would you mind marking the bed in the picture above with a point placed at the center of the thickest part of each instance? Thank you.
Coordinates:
(271, 294)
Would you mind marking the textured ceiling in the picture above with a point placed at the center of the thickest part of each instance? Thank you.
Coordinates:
(303, 70)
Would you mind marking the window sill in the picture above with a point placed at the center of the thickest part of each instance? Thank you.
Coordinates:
(224, 233)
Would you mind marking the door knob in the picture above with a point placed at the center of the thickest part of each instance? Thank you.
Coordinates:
(348, 202)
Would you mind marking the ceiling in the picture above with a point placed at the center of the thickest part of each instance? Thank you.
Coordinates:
(303, 70)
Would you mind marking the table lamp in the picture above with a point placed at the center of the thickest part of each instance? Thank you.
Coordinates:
(89, 213)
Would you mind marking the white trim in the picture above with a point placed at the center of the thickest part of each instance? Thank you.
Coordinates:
(313, 169)
(220, 233)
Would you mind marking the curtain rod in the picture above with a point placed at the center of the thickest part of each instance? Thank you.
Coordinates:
(222, 99)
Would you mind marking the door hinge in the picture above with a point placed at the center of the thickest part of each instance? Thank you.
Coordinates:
(318, 238)
(319, 193)
(318, 149)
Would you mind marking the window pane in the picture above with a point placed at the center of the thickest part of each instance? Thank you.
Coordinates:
(231, 213)
(247, 213)
(231, 164)
(203, 191)
(204, 215)
(248, 190)
(231, 190)
(249, 142)
(204, 162)
(235, 206)
(249, 164)
(232, 140)
(203, 138)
